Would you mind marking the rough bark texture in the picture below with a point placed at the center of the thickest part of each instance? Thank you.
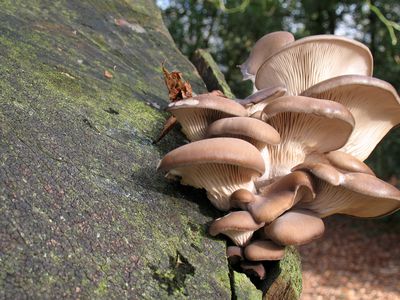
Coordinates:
(83, 212)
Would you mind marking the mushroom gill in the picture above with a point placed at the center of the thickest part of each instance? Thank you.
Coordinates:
(219, 165)
(374, 104)
(306, 125)
(308, 61)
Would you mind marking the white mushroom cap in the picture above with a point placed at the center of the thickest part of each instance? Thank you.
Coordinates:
(310, 60)
(239, 226)
(219, 165)
(374, 104)
(196, 113)
(266, 46)
(356, 194)
(306, 125)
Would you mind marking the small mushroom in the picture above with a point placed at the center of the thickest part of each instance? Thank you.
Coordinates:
(254, 269)
(195, 114)
(234, 254)
(219, 165)
(308, 61)
(264, 48)
(257, 101)
(355, 194)
(306, 125)
(264, 250)
(239, 226)
(374, 104)
(295, 227)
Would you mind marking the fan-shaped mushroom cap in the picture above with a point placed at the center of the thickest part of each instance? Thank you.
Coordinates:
(355, 194)
(280, 196)
(374, 104)
(347, 163)
(295, 227)
(313, 59)
(264, 48)
(242, 198)
(195, 114)
(257, 101)
(239, 226)
(219, 165)
(306, 125)
(264, 250)
(252, 130)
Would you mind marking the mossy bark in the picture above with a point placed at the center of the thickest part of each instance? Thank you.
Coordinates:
(83, 212)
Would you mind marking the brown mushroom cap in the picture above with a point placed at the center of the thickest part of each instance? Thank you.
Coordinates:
(264, 250)
(280, 196)
(252, 130)
(310, 60)
(374, 104)
(306, 125)
(264, 48)
(239, 226)
(234, 254)
(347, 163)
(219, 165)
(241, 198)
(295, 227)
(195, 114)
(253, 269)
(355, 194)
(257, 101)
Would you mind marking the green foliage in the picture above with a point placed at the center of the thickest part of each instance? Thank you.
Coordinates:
(230, 28)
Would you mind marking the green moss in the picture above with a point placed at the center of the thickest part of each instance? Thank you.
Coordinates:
(244, 288)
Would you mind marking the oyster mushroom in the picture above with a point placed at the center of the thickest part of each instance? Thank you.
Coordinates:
(255, 269)
(356, 194)
(295, 227)
(257, 101)
(374, 104)
(306, 125)
(234, 254)
(196, 113)
(264, 250)
(239, 226)
(219, 165)
(308, 61)
(256, 132)
(264, 48)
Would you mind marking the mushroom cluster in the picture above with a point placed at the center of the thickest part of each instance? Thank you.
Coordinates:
(291, 153)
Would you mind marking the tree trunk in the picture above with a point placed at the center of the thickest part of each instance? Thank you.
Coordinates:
(84, 212)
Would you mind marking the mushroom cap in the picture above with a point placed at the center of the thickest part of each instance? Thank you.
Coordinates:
(264, 250)
(322, 125)
(374, 104)
(355, 194)
(223, 150)
(253, 269)
(347, 163)
(196, 113)
(234, 254)
(219, 165)
(241, 198)
(306, 125)
(239, 226)
(280, 196)
(257, 101)
(295, 227)
(264, 48)
(310, 60)
(252, 130)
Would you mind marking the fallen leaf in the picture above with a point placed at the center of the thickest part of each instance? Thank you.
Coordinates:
(178, 89)
(108, 74)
